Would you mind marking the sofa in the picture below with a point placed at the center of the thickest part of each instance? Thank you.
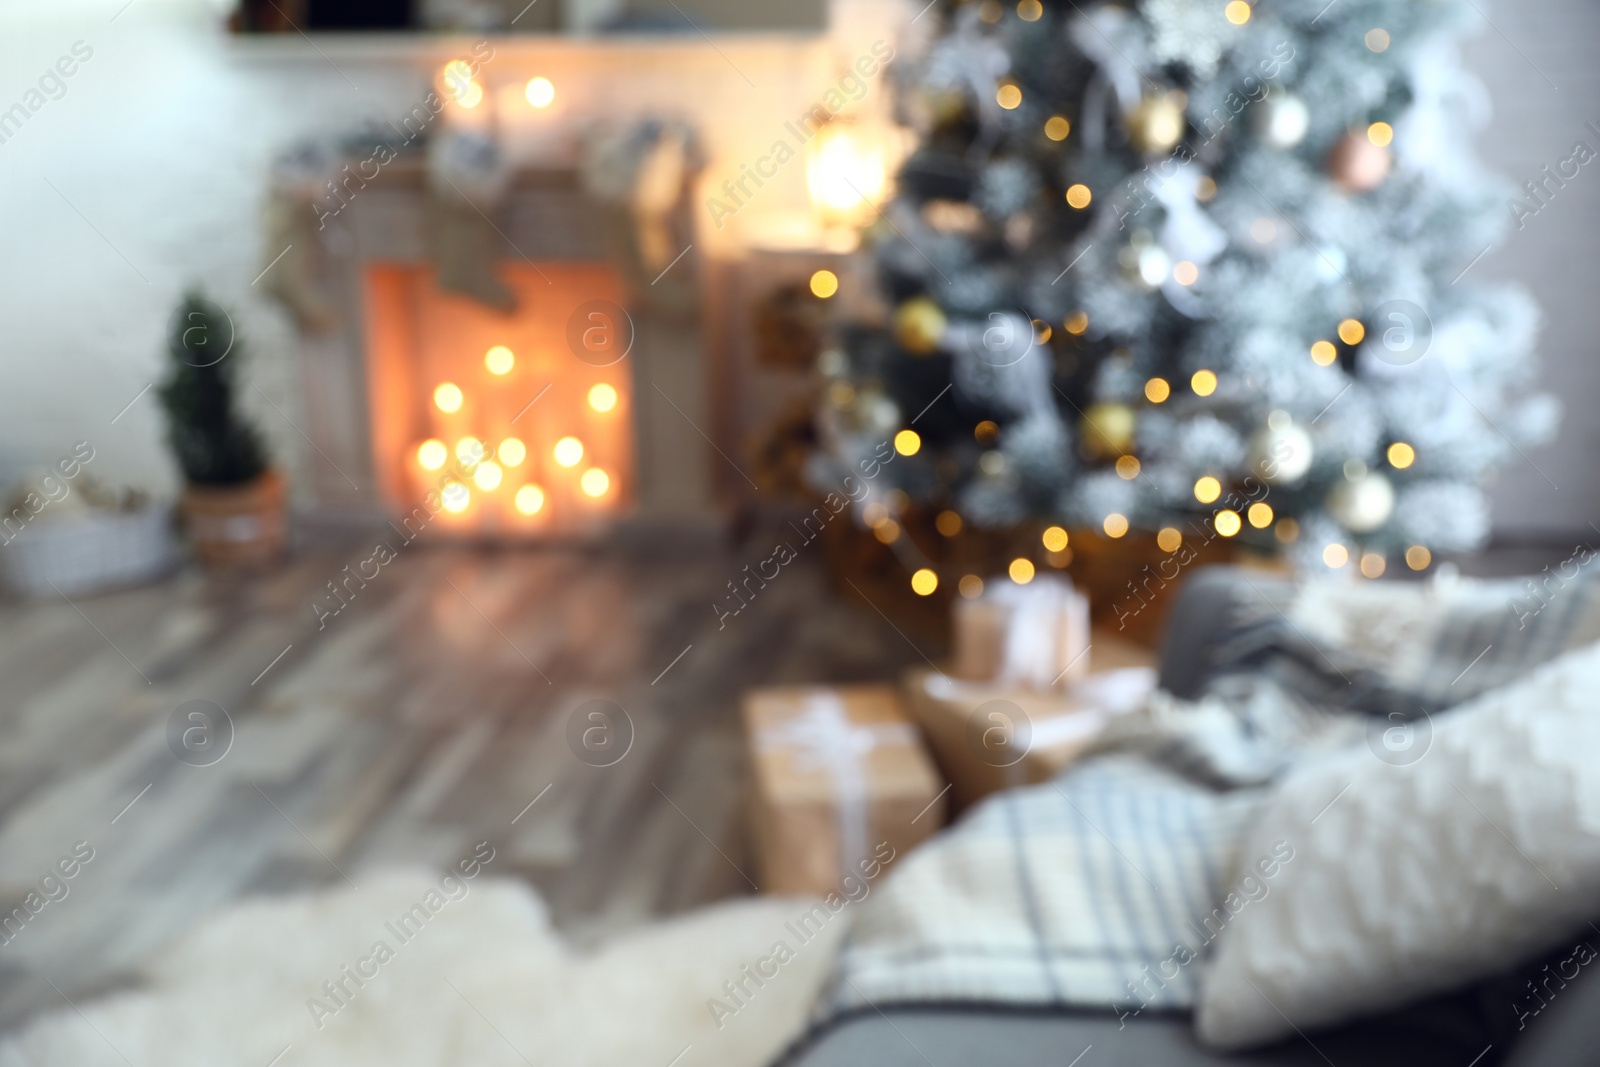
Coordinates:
(1496, 1021)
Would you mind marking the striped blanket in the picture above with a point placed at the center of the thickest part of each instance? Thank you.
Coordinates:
(1106, 887)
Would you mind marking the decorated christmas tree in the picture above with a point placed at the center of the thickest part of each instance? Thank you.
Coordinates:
(1184, 265)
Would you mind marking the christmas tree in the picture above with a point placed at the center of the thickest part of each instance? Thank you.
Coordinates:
(1192, 264)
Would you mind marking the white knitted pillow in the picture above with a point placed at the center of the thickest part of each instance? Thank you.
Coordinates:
(1417, 870)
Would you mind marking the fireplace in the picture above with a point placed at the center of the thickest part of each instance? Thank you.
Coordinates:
(497, 422)
(599, 376)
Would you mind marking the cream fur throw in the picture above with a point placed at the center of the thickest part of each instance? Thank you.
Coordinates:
(1421, 875)
(483, 982)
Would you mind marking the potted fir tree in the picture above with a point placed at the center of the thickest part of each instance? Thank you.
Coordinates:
(233, 501)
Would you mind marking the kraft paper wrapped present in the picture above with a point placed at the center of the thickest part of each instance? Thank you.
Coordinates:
(987, 736)
(842, 784)
(1033, 636)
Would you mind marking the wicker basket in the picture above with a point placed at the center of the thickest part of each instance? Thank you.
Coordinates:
(89, 552)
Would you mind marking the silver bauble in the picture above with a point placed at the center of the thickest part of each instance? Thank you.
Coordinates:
(1281, 452)
(1361, 504)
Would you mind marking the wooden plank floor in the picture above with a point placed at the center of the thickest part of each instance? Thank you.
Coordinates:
(424, 717)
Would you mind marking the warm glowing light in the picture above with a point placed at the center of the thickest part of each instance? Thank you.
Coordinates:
(432, 454)
(1401, 455)
(1351, 331)
(1185, 273)
(456, 497)
(470, 95)
(1054, 538)
(512, 452)
(1418, 558)
(1115, 525)
(847, 173)
(1323, 353)
(470, 450)
(595, 482)
(455, 74)
(947, 523)
(1041, 332)
(1076, 323)
(924, 582)
(1378, 39)
(499, 360)
(875, 514)
(1169, 539)
(568, 451)
(1207, 489)
(1205, 188)
(488, 475)
(447, 397)
(907, 442)
(1030, 10)
(540, 92)
(887, 531)
(1238, 12)
(971, 586)
(1128, 467)
(1008, 96)
(1227, 522)
(602, 397)
(1373, 565)
(1156, 390)
(1380, 134)
(1260, 515)
(824, 283)
(1078, 196)
(986, 432)
(1204, 382)
(1021, 570)
(1336, 555)
(1056, 127)
(530, 500)
(1286, 532)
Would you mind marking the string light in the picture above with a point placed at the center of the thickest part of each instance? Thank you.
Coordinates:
(512, 452)
(907, 442)
(1185, 273)
(594, 482)
(1029, 10)
(1021, 570)
(1156, 390)
(539, 92)
(1041, 332)
(1418, 558)
(1323, 353)
(1169, 539)
(447, 397)
(1287, 532)
(1056, 127)
(530, 499)
(1380, 134)
(1227, 522)
(431, 454)
(602, 397)
(1260, 515)
(1054, 538)
(1401, 455)
(887, 531)
(1207, 489)
(986, 432)
(990, 11)
(1238, 12)
(469, 451)
(1204, 383)
(1351, 331)
(1078, 196)
(1205, 188)
(1335, 555)
(970, 586)
(499, 360)
(948, 523)
(924, 582)
(1009, 96)
(568, 451)
(1076, 323)
(1128, 467)
(456, 497)
(1373, 565)
(1378, 39)
(824, 283)
(488, 475)
(1115, 525)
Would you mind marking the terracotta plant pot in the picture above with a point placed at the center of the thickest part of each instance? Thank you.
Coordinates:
(237, 526)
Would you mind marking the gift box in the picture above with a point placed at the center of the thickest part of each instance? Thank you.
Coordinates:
(1033, 636)
(987, 736)
(842, 784)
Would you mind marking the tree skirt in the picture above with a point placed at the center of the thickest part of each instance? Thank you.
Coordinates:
(411, 970)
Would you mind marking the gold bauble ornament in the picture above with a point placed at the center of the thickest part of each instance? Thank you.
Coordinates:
(1357, 164)
(1107, 430)
(1155, 125)
(919, 325)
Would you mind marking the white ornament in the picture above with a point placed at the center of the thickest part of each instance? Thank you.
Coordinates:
(1361, 504)
(1280, 453)
(1283, 120)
